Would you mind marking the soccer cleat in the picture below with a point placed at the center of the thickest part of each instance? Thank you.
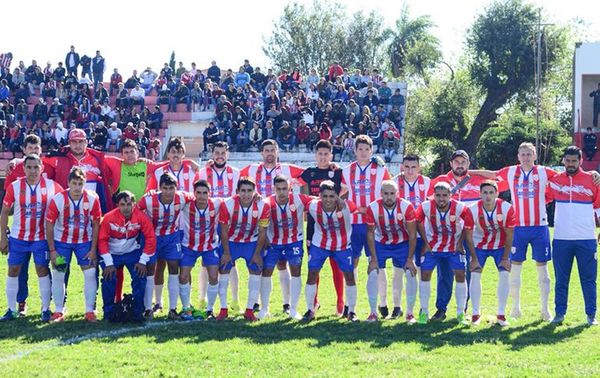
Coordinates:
(9, 315)
(256, 307)
(462, 319)
(157, 307)
(558, 319)
(197, 314)
(591, 320)
(352, 317)
(345, 312)
(438, 316)
(410, 319)
(235, 307)
(22, 309)
(475, 320)
(423, 318)
(373, 317)
(210, 315)
(249, 315)
(546, 315)
(90, 317)
(172, 315)
(262, 314)
(222, 314)
(46, 316)
(57, 317)
(186, 314)
(396, 313)
(501, 321)
(148, 315)
(308, 317)
(295, 315)
(286, 309)
(384, 311)
(515, 313)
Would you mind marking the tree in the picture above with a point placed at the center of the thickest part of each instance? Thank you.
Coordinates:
(316, 36)
(413, 50)
(172, 61)
(501, 51)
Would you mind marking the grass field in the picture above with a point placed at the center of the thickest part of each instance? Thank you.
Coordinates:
(280, 347)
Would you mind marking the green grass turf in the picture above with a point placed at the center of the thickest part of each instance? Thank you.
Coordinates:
(280, 347)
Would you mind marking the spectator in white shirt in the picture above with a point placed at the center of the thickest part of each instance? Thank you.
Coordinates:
(137, 96)
(114, 137)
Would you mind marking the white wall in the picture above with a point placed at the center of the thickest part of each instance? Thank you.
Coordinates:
(585, 79)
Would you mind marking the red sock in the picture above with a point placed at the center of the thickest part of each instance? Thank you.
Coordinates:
(119, 288)
(338, 281)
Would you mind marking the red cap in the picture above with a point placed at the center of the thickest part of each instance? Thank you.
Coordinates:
(77, 134)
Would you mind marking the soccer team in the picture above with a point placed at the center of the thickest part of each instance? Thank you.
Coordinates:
(452, 224)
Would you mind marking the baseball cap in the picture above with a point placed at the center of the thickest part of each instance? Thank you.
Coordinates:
(77, 134)
(459, 153)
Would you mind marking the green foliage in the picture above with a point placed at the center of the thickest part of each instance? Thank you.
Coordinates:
(316, 36)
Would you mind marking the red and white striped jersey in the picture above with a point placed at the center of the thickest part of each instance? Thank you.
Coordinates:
(469, 192)
(364, 185)
(73, 220)
(263, 177)
(200, 226)
(416, 192)
(489, 231)
(287, 222)
(244, 223)
(31, 203)
(390, 225)
(333, 231)
(164, 217)
(528, 193)
(186, 177)
(223, 183)
(577, 205)
(443, 230)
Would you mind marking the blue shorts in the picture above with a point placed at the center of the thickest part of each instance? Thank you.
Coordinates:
(317, 257)
(18, 249)
(292, 253)
(209, 258)
(538, 237)
(358, 241)
(168, 247)
(244, 251)
(397, 252)
(457, 260)
(496, 254)
(418, 252)
(81, 249)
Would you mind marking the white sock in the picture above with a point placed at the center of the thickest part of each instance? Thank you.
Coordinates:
(373, 285)
(90, 287)
(544, 283)
(382, 288)
(211, 293)
(461, 296)
(202, 283)
(234, 280)
(173, 286)
(356, 273)
(424, 294)
(502, 291)
(411, 293)
(223, 283)
(515, 285)
(58, 290)
(295, 290)
(45, 291)
(253, 290)
(12, 288)
(397, 286)
(158, 290)
(351, 294)
(309, 293)
(284, 281)
(475, 290)
(184, 293)
(266, 285)
(149, 292)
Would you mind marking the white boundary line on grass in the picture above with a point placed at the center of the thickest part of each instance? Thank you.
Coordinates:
(89, 336)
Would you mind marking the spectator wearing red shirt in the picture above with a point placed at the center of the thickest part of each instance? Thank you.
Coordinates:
(302, 133)
(334, 71)
(325, 131)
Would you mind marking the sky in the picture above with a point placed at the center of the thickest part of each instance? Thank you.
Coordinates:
(135, 34)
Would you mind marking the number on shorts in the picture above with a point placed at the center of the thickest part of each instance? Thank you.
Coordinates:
(296, 251)
(350, 260)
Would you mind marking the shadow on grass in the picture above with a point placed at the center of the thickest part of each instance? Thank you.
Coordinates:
(321, 333)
